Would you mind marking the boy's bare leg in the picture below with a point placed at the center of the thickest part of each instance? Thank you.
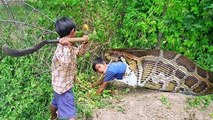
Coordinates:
(53, 112)
(72, 119)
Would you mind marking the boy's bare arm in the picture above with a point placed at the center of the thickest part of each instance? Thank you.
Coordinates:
(98, 82)
(101, 88)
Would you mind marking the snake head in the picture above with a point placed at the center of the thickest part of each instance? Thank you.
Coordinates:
(111, 55)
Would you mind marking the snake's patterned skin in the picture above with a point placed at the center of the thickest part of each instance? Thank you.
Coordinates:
(165, 70)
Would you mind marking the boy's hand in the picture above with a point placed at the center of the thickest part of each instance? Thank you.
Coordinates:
(113, 92)
(86, 38)
(64, 41)
(92, 85)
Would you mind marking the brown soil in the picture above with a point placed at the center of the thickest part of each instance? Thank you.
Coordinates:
(143, 104)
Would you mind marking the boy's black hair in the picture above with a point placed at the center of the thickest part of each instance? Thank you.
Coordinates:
(63, 26)
(98, 60)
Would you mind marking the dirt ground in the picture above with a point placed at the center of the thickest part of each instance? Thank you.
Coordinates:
(143, 104)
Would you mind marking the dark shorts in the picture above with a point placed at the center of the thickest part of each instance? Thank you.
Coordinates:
(65, 104)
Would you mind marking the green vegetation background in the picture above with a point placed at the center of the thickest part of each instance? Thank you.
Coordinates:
(25, 83)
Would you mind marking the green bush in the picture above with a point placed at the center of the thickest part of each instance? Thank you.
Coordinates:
(25, 86)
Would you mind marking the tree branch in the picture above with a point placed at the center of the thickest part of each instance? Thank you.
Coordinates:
(31, 25)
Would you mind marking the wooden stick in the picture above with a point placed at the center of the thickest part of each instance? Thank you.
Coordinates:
(18, 53)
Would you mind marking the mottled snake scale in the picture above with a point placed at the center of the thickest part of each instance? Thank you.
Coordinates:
(165, 70)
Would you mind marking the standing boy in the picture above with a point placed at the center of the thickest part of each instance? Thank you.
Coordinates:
(64, 70)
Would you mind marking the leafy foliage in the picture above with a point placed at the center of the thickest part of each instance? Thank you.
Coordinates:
(25, 86)
(165, 101)
(200, 102)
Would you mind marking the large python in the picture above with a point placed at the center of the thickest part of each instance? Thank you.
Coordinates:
(165, 70)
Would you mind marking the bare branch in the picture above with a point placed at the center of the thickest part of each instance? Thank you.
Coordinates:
(39, 11)
(31, 25)
(7, 6)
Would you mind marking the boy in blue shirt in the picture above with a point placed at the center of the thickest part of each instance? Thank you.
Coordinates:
(116, 70)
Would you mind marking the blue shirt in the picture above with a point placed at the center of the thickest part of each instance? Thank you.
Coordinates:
(115, 70)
